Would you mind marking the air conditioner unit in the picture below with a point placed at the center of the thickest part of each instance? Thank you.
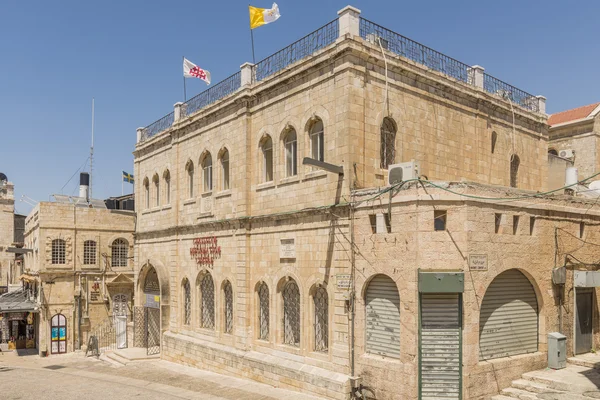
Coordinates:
(402, 172)
(376, 39)
(567, 153)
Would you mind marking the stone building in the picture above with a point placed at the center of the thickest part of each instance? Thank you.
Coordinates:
(7, 229)
(271, 245)
(81, 260)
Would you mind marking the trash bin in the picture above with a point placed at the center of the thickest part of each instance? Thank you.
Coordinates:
(557, 350)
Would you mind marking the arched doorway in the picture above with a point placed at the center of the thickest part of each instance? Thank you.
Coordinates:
(58, 334)
(151, 291)
(120, 319)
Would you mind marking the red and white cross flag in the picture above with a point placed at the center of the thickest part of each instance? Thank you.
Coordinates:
(191, 70)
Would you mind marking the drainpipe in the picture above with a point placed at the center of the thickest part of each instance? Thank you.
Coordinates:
(352, 299)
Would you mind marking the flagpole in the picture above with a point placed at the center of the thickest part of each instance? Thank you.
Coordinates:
(122, 180)
(251, 36)
(184, 93)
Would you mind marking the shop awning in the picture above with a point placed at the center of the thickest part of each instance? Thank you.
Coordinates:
(17, 301)
(18, 250)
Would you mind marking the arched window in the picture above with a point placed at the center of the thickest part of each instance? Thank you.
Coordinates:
(514, 170)
(207, 309)
(190, 178)
(207, 173)
(225, 169)
(382, 317)
(267, 151)
(89, 252)
(508, 319)
(291, 314)
(119, 250)
(58, 334)
(388, 142)
(321, 303)
(263, 311)
(58, 251)
(187, 302)
(167, 177)
(146, 193)
(156, 183)
(494, 139)
(553, 152)
(317, 141)
(291, 153)
(228, 307)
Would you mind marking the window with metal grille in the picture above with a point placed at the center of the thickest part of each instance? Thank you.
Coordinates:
(89, 252)
(190, 173)
(291, 314)
(388, 142)
(207, 310)
(267, 150)
(291, 152)
(514, 170)
(321, 320)
(228, 309)
(317, 141)
(225, 168)
(207, 172)
(58, 251)
(119, 250)
(263, 312)
(187, 302)
(156, 182)
(167, 176)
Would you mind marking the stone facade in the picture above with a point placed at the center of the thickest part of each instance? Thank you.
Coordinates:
(244, 244)
(87, 275)
(7, 231)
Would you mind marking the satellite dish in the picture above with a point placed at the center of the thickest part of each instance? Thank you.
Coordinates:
(3, 177)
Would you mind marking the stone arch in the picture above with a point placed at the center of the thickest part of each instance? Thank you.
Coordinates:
(165, 293)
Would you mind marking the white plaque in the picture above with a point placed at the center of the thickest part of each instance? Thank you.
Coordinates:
(478, 262)
(287, 248)
(343, 281)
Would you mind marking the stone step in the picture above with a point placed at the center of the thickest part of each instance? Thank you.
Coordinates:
(519, 394)
(584, 362)
(117, 358)
(573, 379)
(103, 357)
(533, 387)
(502, 397)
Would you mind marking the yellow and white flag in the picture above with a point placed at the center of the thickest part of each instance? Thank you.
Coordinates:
(263, 16)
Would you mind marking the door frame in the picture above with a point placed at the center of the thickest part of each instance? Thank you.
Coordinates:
(593, 293)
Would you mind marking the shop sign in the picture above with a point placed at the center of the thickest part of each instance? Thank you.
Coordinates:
(95, 291)
(205, 250)
(287, 248)
(343, 281)
(16, 316)
(152, 301)
(478, 262)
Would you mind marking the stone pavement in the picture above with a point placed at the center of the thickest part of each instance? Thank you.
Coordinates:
(72, 376)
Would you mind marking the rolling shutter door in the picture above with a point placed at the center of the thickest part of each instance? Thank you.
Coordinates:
(383, 317)
(440, 346)
(508, 320)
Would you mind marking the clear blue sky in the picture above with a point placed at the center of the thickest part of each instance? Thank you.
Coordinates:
(57, 55)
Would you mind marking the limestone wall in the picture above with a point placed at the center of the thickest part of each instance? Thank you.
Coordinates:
(7, 229)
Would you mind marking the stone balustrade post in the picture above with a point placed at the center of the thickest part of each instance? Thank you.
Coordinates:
(246, 71)
(349, 21)
(541, 104)
(180, 111)
(476, 75)
(141, 133)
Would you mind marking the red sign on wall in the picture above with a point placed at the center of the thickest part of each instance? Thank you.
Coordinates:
(205, 250)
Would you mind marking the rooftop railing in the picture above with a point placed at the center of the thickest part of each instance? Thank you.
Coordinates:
(348, 22)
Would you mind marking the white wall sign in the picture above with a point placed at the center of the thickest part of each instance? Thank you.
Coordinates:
(478, 262)
(287, 248)
(343, 281)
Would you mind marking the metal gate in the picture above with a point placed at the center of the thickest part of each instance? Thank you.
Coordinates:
(508, 319)
(583, 320)
(441, 347)
(383, 317)
(152, 330)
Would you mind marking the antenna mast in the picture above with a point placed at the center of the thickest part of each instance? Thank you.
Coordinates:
(92, 151)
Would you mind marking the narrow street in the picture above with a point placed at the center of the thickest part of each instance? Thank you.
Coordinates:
(76, 377)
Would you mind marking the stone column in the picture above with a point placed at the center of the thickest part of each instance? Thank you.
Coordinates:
(349, 21)
(541, 104)
(476, 75)
(180, 111)
(246, 70)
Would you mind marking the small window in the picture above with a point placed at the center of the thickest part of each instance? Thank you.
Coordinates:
(207, 173)
(515, 224)
(494, 139)
(146, 193)
(156, 183)
(119, 252)
(58, 251)
(263, 311)
(291, 154)
(225, 169)
(190, 173)
(207, 309)
(387, 152)
(291, 314)
(89, 252)
(167, 176)
(380, 223)
(267, 150)
(317, 141)
(514, 170)
(497, 222)
(581, 229)
(439, 220)
(187, 302)
(228, 307)
(553, 152)
(531, 225)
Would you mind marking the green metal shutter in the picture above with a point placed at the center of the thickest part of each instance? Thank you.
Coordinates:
(440, 347)
(383, 317)
(508, 319)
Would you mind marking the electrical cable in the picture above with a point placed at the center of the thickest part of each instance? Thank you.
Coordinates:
(75, 173)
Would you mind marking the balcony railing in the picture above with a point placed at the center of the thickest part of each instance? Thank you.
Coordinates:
(222, 89)
(160, 125)
(298, 50)
(517, 96)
